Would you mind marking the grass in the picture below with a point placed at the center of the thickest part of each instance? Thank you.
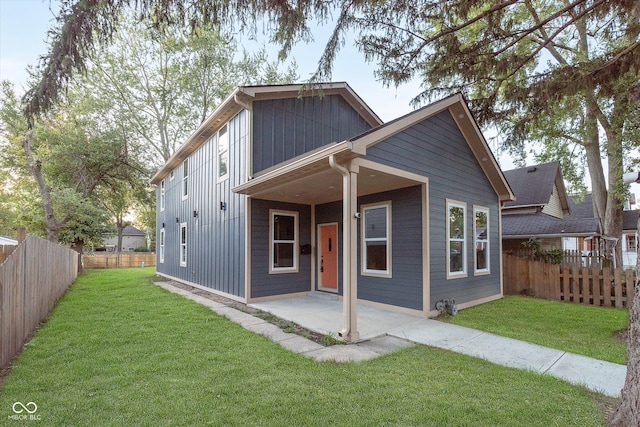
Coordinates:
(119, 351)
(580, 329)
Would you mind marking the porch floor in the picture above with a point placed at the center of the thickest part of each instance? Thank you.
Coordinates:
(322, 313)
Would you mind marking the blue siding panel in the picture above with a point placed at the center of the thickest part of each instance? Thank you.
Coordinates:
(262, 283)
(435, 148)
(215, 239)
(286, 128)
(405, 287)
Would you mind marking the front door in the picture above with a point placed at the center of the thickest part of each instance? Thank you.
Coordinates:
(328, 257)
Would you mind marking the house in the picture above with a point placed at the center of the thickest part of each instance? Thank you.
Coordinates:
(4, 240)
(283, 191)
(630, 238)
(132, 239)
(543, 210)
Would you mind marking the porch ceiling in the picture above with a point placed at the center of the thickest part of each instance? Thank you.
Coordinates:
(318, 183)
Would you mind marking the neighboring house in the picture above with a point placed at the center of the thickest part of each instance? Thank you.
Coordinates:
(283, 191)
(8, 241)
(630, 238)
(132, 238)
(543, 210)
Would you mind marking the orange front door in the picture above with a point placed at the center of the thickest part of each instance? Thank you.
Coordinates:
(328, 262)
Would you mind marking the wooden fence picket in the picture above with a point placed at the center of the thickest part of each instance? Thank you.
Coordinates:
(589, 285)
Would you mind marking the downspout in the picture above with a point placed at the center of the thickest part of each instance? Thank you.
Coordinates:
(247, 209)
(349, 262)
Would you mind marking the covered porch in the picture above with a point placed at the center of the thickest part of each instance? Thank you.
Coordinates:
(337, 172)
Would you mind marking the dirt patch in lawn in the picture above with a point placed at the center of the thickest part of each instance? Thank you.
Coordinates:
(620, 335)
(286, 325)
(606, 405)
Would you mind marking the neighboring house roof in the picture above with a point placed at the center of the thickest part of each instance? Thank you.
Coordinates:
(7, 241)
(132, 231)
(239, 99)
(630, 220)
(129, 230)
(533, 186)
(288, 180)
(521, 226)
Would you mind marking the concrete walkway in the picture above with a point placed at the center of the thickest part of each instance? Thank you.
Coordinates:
(383, 331)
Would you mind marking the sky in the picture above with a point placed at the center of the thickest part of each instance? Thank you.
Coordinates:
(23, 35)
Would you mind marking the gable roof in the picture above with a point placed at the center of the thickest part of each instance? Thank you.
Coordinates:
(457, 107)
(130, 230)
(240, 99)
(283, 182)
(542, 225)
(533, 185)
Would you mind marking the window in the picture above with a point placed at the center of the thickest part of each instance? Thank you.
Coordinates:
(223, 154)
(183, 244)
(481, 233)
(631, 242)
(284, 241)
(376, 245)
(185, 179)
(162, 245)
(456, 236)
(162, 193)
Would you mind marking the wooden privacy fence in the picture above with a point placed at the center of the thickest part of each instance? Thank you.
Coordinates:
(32, 279)
(5, 251)
(585, 285)
(115, 260)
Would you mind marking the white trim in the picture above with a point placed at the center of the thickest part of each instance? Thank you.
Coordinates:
(184, 184)
(162, 245)
(463, 273)
(183, 245)
(319, 254)
(426, 248)
(226, 151)
(294, 242)
(487, 241)
(387, 239)
(247, 248)
(163, 194)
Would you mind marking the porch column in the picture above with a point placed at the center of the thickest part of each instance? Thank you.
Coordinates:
(350, 250)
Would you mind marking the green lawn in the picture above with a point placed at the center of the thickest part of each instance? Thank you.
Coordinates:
(118, 351)
(575, 328)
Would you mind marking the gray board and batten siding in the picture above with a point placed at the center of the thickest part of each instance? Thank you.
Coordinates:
(264, 283)
(286, 128)
(216, 237)
(436, 148)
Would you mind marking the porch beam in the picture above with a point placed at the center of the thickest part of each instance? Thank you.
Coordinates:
(350, 250)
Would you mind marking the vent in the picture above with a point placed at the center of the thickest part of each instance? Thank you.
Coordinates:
(532, 169)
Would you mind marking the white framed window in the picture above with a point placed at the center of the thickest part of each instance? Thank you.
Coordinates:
(481, 233)
(161, 253)
(162, 195)
(185, 179)
(183, 244)
(456, 239)
(283, 232)
(223, 154)
(631, 242)
(376, 239)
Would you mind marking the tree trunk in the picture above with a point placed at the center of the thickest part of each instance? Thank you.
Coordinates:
(35, 166)
(78, 246)
(628, 412)
(120, 224)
